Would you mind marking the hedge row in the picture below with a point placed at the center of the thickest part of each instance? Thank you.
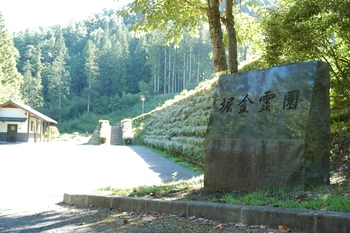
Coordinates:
(179, 126)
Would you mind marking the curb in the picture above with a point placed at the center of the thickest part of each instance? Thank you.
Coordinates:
(303, 221)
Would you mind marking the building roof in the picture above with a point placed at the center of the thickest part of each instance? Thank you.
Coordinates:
(30, 110)
(15, 119)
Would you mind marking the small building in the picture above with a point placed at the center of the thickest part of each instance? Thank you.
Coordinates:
(21, 123)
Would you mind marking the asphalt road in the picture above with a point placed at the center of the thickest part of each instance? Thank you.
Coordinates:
(35, 176)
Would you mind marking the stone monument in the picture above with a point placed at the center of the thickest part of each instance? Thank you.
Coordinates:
(270, 128)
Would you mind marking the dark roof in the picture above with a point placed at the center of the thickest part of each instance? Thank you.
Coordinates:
(30, 110)
(15, 119)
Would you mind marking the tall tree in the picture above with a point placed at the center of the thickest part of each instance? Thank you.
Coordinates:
(32, 88)
(59, 78)
(137, 64)
(10, 79)
(90, 69)
(302, 30)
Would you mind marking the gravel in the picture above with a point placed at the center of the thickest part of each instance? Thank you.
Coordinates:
(65, 218)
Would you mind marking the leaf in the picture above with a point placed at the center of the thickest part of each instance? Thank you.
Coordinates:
(283, 228)
(219, 226)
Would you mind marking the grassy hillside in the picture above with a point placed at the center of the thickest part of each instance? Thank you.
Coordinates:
(178, 127)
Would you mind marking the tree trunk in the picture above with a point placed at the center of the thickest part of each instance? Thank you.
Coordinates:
(232, 39)
(60, 98)
(184, 73)
(89, 95)
(88, 105)
(216, 36)
(197, 72)
(190, 67)
(155, 80)
(173, 87)
(165, 76)
(158, 78)
(169, 73)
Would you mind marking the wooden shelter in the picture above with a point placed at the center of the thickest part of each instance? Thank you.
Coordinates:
(21, 123)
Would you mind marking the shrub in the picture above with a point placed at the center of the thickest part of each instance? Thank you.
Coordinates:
(52, 132)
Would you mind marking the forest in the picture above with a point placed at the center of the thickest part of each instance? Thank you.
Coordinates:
(97, 66)
(102, 66)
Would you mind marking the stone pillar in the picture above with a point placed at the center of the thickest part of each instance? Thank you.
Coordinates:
(105, 132)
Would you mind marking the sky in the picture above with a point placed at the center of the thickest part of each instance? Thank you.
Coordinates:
(21, 14)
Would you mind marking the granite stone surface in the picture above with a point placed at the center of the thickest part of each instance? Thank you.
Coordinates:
(270, 128)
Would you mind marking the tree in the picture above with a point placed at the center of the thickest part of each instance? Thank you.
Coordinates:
(137, 65)
(216, 36)
(10, 79)
(59, 79)
(302, 30)
(90, 68)
(32, 89)
(172, 16)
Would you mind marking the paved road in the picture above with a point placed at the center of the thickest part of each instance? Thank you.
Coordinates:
(35, 176)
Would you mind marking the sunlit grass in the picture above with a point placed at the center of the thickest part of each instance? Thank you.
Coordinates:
(182, 186)
(324, 198)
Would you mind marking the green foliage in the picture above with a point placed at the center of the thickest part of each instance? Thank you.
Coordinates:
(170, 17)
(31, 88)
(98, 66)
(10, 79)
(90, 69)
(58, 78)
(83, 123)
(303, 30)
(52, 132)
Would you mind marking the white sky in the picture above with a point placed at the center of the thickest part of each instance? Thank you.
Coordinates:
(21, 14)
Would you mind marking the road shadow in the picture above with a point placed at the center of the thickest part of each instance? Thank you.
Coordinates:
(65, 219)
(163, 166)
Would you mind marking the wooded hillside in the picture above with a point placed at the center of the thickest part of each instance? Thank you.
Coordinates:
(82, 71)
(97, 65)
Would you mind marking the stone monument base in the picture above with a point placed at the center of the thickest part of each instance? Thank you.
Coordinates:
(249, 164)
